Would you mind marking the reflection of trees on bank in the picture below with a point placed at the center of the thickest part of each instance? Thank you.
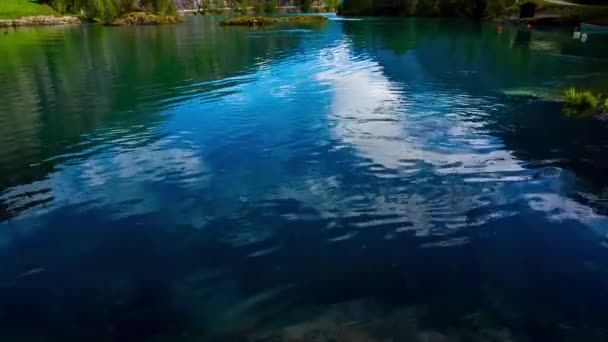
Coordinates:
(476, 55)
(61, 83)
(538, 133)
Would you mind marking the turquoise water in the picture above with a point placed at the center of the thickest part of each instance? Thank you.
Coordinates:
(363, 180)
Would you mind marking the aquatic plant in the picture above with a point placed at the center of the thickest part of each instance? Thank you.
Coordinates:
(580, 103)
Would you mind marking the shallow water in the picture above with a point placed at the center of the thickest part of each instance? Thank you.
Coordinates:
(364, 180)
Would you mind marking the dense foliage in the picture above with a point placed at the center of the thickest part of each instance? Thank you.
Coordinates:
(454, 8)
(106, 10)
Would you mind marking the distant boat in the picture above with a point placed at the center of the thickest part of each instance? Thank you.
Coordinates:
(590, 28)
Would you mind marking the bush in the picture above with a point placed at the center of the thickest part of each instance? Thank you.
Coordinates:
(270, 6)
(144, 18)
(241, 6)
(340, 8)
(259, 7)
(306, 5)
(157, 6)
(332, 5)
(496, 8)
(61, 6)
(580, 103)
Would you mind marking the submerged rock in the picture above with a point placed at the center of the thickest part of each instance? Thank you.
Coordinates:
(145, 18)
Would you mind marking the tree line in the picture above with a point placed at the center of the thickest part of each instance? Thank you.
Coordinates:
(432, 8)
(106, 10)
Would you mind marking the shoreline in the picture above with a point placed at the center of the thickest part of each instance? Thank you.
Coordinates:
(40, 20)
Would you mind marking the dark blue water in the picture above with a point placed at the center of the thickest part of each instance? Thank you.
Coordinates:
(373, 180)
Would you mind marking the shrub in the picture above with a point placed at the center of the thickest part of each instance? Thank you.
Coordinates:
(580, 103)
(61, 6)
(259, 7)
(306, 5)
(270, 6)
(496, 8)
(143, 18)
(340, 8)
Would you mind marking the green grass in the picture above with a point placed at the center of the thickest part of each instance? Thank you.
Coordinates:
(13, 9)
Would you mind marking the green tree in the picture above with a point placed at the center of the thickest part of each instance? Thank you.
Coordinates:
(270, 6)
(306, 5)
(259, 7)
(495, 8)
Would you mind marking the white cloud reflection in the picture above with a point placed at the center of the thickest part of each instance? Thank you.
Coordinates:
(388, 125)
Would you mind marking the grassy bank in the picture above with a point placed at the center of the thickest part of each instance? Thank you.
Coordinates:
(13, 9)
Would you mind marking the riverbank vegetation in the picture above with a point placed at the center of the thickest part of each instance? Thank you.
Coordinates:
(478, 9)
(260, 7)
(145, 18)
(426, 8)
(143, 12)
(266, 21)
(118, 11)
(584, 104)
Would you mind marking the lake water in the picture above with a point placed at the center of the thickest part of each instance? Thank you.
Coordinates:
(363, 180)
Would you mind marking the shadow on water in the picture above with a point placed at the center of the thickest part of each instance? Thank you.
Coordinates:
(515, 69)
(142, 280)
(539, 133)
